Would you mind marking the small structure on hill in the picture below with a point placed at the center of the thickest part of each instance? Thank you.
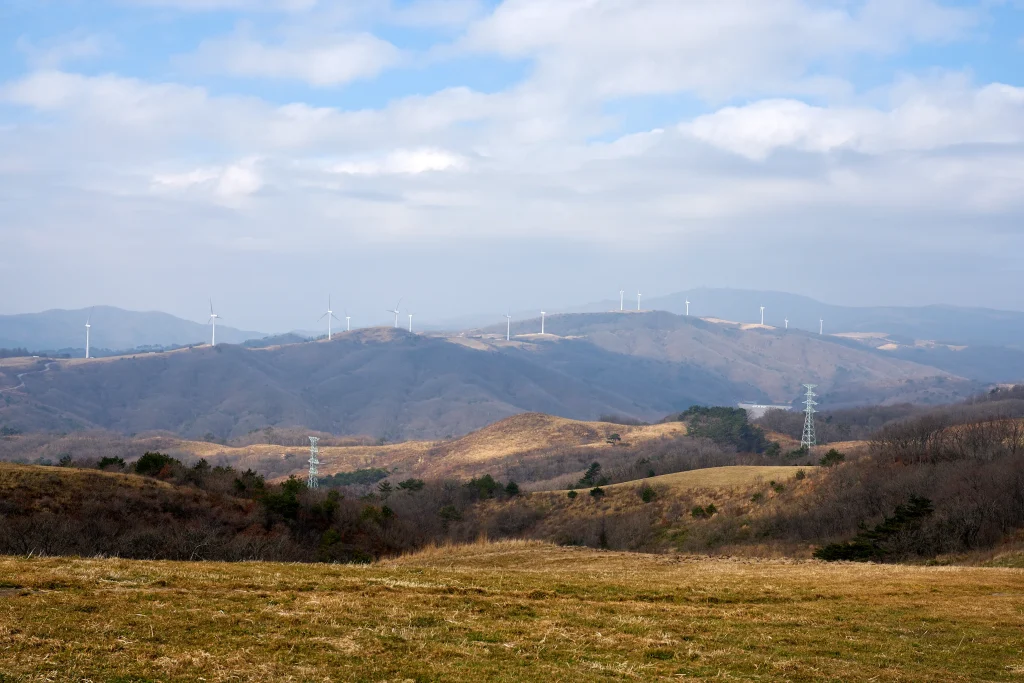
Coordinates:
(314, 461)
(809, 439)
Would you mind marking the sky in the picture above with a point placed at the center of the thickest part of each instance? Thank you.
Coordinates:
(475, 155)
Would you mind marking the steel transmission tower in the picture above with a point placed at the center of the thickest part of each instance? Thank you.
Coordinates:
(808, 439)
(314, 480)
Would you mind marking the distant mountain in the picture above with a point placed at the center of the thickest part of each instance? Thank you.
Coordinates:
(773, 362)
(387, 383)
(112, 328)
(381, 382)
(947, 324)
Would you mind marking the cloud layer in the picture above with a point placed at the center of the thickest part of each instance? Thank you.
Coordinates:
(658, 123)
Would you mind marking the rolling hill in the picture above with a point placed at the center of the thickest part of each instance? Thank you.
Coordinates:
(112, 328)
(943, 323)
(393, 385)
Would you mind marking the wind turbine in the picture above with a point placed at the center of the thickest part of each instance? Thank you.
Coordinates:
(638, 299)
(395, 311)
(213, 321)
(329, 314)
(762, 315)
(410, 322)
(508, 328)
(542, 314)
(787, 323)
(821, 326)
(88, 324)
(687, 307)
(348, 322)
(622, 294)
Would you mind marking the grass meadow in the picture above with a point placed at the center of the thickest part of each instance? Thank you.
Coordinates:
(508, 611)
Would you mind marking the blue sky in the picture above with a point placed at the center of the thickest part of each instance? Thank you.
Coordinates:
(783, 144)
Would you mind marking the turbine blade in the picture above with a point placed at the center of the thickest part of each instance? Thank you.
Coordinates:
(321, 317)
(336, 317)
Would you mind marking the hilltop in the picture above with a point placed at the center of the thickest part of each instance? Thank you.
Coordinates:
(392, 385)
(113, 329)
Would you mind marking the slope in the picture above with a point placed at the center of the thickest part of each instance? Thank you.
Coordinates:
(773, 362)
(381, 382)
(112, 328)
(951, 324)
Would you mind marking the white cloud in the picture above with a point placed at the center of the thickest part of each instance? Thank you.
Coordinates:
(228, 183)
(403, 161)
(612, 48)
(924, 118)
(319, 61)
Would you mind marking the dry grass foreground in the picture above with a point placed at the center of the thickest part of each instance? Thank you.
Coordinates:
(511, 611)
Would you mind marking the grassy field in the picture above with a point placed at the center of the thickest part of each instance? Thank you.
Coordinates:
(510, 611)
(719, 477)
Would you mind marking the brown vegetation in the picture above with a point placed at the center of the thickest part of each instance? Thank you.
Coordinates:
(509, 611)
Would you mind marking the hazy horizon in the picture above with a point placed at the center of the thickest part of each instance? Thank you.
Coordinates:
(476, 155)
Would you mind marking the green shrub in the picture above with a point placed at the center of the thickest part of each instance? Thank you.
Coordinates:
(757, 497)
(597, 492)
(363, 477)
(832, 458)
(410, 485)
(800, 474)
(647, 493)
(572, 495)
(512, 488)
(106, 462)
(872, 544)
(152, 464)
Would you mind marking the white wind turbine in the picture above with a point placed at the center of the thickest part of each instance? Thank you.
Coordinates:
(348, 322)
(410, 322)
(787, 323)
(395, 311)
(88, 324)
(508, 328)
(762, 315)
(329, 314)
(821, 326)
(213, 321)
(687, 307)
(542, 314)
(622, 300)
(638, 299)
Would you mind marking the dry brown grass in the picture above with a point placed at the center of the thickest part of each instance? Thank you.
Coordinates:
(738, 476)
(510, 611)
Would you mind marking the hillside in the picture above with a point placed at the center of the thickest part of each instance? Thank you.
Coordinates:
(392, 385)
(773, 362)
(112, 328)
(381, 382)
(948, 324)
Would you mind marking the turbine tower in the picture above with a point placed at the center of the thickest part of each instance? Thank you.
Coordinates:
(213, 321)
(638, 299)
(808, 439)
(508, 327)
(622, 300)
(687, 308)
(395, 311)
(329, 314)
(88, 324)
(314, 480)
(821, 326)
(410, 322)
(348, 322)
(762, 315)
(787, 323)
(542, 314)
